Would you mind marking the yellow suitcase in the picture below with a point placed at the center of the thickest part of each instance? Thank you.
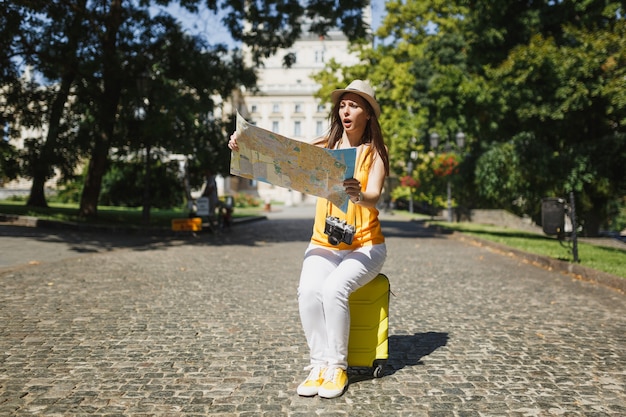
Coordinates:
(368, 345)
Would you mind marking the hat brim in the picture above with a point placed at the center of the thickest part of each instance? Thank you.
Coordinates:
(336, 95)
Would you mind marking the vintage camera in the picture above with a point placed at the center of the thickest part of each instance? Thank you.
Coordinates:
(338, 231)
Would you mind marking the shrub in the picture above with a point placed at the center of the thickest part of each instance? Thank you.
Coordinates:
(123, 185)
(446, 164)
(246, 200)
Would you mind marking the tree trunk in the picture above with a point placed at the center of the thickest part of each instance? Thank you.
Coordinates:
(44, 164)
(37, 197)
(111, 77)
(93, 181)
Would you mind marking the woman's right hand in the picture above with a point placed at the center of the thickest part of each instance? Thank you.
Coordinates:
(232, 143)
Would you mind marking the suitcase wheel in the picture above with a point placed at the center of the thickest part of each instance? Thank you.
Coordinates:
(379, 369)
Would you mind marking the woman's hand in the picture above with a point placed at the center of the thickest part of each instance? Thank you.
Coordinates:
(353, 189)
(232, 143)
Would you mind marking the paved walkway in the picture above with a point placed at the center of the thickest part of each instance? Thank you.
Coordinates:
(127, 325)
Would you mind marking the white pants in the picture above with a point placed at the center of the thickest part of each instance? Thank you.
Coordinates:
(327, 279)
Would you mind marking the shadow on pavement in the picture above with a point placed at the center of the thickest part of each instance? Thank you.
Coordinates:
(404, 351)
(408, 229)
(408, 350)
(20, 245)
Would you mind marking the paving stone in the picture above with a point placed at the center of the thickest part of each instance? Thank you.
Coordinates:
(208, 325)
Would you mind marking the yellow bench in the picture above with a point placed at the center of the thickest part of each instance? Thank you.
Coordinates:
(193, 224)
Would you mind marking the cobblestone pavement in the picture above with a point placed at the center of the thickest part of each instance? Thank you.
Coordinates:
(208, 325)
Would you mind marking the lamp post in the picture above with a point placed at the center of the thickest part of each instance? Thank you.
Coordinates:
(141, 113)
(460, 142)
(409, 173)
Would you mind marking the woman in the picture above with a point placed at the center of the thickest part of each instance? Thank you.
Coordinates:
(332, 270)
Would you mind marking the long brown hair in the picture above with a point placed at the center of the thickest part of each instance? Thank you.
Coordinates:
(373, 133)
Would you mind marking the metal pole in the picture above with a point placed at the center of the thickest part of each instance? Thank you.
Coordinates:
(145, 213)
(449, 201)
(449, 186)
(573, 217)
(409, 172)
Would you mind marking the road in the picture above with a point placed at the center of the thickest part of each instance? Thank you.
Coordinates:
(133, 325)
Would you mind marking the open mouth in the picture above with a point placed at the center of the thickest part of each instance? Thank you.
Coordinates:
(347, 123)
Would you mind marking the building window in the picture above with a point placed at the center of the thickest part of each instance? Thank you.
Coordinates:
(275, 127)
(321, 108)
(276, 108)
(298, 108)
(253, 108)
(319, 56)
(297, 128)
(319, 128)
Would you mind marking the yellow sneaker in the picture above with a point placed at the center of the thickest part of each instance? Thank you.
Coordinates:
(335, 383)
(312, 383)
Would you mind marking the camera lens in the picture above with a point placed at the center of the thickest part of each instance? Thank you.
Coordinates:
(333, 240)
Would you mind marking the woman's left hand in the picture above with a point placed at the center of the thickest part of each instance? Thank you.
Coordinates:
(232, 143)
(353, 188)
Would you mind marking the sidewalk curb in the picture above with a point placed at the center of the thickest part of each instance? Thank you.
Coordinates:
(30, 221)
(576, 271)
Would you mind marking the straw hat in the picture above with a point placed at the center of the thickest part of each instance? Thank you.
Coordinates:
(363, 89)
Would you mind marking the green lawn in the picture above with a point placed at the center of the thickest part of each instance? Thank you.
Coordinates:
(610, 260)
(131, 217)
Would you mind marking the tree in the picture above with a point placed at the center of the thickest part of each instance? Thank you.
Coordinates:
(11, 88)
(418, 69)
(11, 17)
(94, 52)
(9, 165)
(173, 100)
(539, 82)
(499, 173)
(56, 58)
(557, 97)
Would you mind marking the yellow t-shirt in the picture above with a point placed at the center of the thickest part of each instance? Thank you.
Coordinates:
(368, 231)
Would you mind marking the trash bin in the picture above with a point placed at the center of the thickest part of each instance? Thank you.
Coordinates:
(553, 216)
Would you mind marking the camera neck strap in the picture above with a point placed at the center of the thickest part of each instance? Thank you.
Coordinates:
(352, 207)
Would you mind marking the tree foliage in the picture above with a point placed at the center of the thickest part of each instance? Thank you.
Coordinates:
(557, 91)
(112, 79)
(123, 185)
(538, 88)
